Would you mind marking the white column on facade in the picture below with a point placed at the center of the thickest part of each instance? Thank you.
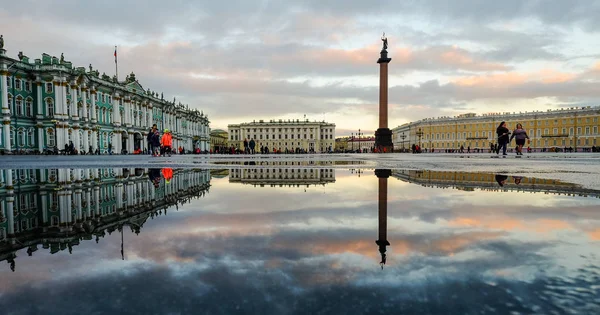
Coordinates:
(86, 143)
(94, 140)
(39, 105)
(144, 115)
(40, 136)
(63, 91)
(76, 138)
(93, 105)
(44, 207)
(116, 111)
(85, 106)
(4, 91)
(74, 105)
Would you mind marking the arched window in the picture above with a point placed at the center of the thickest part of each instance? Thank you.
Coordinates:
(31, 136)
(51, 137)
(19, 106)
(104, 115)
(28, 107)
(21, 137)
(50, 107)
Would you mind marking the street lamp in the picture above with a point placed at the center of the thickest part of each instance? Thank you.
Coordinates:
(359, 146)
(403, 136)
(352, 136)
(420, 134)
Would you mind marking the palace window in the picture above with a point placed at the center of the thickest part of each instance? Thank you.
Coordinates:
(19, 106)
(578, 130)
(587, 130)
(564, 131)
(49, 87)
(103, 97)
(51, 138)
(595, 130)
(31, 136)
(555, 131)
(18, 84)
(109, 99)
(21, 137)
(8, 81)
(28, 108)
(571, 130)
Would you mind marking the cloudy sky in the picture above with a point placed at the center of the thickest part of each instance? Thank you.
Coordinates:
(241, 60)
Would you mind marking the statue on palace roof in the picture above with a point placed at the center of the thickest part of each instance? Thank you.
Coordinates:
(62, 57)
(91, 67)
(385, 41)
(1, 42)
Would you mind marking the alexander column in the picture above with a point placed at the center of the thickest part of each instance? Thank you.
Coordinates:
(382, 242)
(383, 135)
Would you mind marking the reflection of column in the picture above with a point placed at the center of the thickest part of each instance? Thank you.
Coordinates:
(97, 200)
(88, 203)
(44, 198)
(382, 213)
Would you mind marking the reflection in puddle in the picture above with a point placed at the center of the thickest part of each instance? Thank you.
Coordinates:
(309, 242)
(58, 208)
(491, 182)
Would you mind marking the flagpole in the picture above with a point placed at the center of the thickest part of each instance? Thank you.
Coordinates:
(116, 65)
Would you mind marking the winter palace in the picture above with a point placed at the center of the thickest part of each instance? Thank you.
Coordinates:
(575, 127)
(49, 103)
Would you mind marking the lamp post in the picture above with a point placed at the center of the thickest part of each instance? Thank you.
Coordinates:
(420, 134)
(359, 146)
(403, 136)
(352, 136)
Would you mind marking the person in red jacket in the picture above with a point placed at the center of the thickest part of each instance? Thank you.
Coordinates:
(166, 142)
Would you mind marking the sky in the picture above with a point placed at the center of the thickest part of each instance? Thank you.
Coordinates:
(242, 60)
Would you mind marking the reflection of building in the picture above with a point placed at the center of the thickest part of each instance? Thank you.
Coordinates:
(382, 242)
(218, 139)
(59, 207)
(286, 173)
(470, 181)
(285, 134)
(49, 102)
(575, 127)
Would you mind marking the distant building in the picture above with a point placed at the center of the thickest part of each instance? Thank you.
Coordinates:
(282, 134)
(292, 174)
(341, 143)
(569, 127)
(218, 139)
(362, 143)
(49, 103)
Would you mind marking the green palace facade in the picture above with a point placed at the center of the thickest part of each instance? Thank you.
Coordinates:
(49, 103)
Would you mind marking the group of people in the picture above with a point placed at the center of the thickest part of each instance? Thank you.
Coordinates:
(160, 145)
(505, 137)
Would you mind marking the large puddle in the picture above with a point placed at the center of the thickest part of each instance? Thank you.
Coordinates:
(292, 239)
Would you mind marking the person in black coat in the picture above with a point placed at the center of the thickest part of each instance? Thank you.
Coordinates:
(503, 137)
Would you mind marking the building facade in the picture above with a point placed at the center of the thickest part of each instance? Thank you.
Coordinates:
(315, 136)
(49, 103)
(218, 139)
(572, 127)
(56, 208)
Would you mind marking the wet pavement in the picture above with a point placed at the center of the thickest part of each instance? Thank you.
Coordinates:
(299, 237)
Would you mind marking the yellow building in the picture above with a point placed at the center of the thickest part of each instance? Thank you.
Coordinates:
(282, 134)
(218, 138)
(569, 127)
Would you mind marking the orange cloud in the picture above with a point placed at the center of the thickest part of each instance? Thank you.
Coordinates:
(515, 78)
(595, 235)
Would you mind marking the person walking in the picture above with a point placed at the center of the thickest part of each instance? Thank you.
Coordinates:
(155, 142)
(246, 150)
(166, 142)
(252, 145)
(502, 132)
(149, 139)
(520, 135)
